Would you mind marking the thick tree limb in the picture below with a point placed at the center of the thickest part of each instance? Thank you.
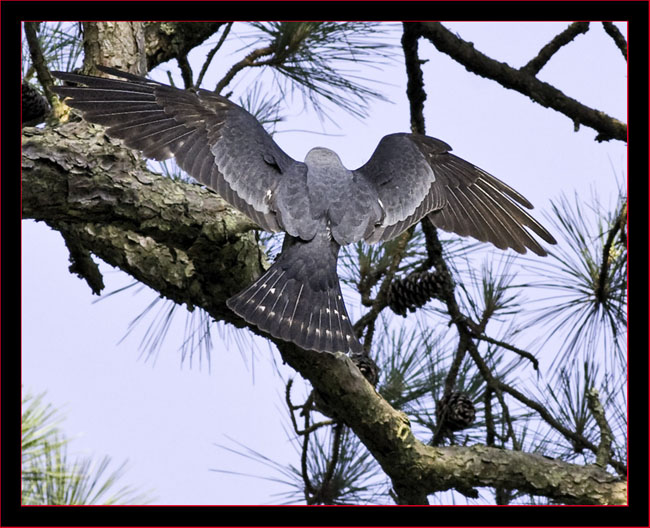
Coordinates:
(418, 470)
(117, 44)
(521, 81)
(179, 238)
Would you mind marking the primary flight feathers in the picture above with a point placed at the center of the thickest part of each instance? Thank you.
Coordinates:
(320, 204)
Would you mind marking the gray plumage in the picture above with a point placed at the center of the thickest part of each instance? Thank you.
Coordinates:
(320, 204)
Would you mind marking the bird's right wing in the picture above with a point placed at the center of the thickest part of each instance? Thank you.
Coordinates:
(215, 141)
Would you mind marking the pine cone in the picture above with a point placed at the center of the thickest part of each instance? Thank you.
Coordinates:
(455, 411)
(367, 366)
(413, 291)
(34, 106)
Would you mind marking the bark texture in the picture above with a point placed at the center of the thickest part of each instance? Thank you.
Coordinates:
(178, 238)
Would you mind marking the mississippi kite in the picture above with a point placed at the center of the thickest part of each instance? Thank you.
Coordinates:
(320, 204)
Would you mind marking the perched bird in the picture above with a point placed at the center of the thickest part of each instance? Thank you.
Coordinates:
(320, 204)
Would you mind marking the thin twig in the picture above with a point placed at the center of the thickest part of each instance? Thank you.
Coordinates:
(450, 382)
(186, 71)
(334, 460)
(618, 37)
(247, 61)
(496, 386)
(211, 54)
(489, 418)
(536, 64)
(523, 353)
(39, 63)
(306, 407)
(309, 488)
(606, 436)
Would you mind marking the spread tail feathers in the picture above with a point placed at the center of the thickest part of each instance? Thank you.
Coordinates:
(299, 298)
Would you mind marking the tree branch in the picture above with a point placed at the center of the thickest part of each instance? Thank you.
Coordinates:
(418, 470)
(415, 83)
(42, 72)
(606, 437)
(211, 54)
(521, 81)
(618, 38)
(535, 65)
(169, 40)
(249, 60)
(180, 239)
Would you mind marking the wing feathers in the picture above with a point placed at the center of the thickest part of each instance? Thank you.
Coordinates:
(201, 129)
(457, 196)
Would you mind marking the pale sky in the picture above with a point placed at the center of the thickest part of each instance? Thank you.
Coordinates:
(166, 417)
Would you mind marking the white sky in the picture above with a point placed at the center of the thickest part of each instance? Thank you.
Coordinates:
(166, 418)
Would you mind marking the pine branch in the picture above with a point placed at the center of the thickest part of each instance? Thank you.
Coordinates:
(546, 53)
(167, 234)
(212, 53)
(417, 470)
(617, 37)
(165, 41)
(605, 446)
(522, 81)
(39, 64)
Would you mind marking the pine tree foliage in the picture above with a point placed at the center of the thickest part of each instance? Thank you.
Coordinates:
(49, 476)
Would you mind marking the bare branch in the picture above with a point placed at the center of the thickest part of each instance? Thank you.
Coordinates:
(521, 81)
(545, 54)
(249, 60)
(415, 84)
(212, 53)
(606, 437)
(81, 262)
(42, 72)
(619, 39)
(507, 346)
(186, 71)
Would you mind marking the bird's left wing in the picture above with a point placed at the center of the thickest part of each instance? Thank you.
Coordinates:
(416, 176)
(215, 141)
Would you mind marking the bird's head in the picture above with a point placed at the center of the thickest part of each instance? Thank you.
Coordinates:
(322, 156)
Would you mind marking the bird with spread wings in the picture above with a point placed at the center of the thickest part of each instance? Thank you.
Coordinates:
(318, 203)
